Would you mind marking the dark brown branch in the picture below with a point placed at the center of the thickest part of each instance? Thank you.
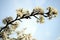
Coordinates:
(32, 14)
(19, 19)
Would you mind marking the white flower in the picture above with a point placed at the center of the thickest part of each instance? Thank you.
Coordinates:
(7, 19)
(4, 21)
(42, 19)
(38, 10)
(27, 13)
(5, 36)
(21, 12)
(53, 11)
(14, 25)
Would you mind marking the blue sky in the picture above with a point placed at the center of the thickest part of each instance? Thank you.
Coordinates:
(50, 30)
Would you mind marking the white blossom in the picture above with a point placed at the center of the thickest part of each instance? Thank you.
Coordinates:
(42, 19)
(21, 12)
(53, 12)
(7, 19)
(38, 10)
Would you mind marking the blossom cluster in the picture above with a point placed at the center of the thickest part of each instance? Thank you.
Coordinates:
(52, 12)
(20, 35)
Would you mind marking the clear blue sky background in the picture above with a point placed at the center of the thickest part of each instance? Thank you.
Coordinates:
(50, 30)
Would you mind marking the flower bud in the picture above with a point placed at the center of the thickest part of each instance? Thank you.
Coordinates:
(42, 19)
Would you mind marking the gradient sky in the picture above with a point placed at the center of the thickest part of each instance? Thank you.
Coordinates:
(50, 30)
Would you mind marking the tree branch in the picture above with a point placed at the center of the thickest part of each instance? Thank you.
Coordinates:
(32, 14)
